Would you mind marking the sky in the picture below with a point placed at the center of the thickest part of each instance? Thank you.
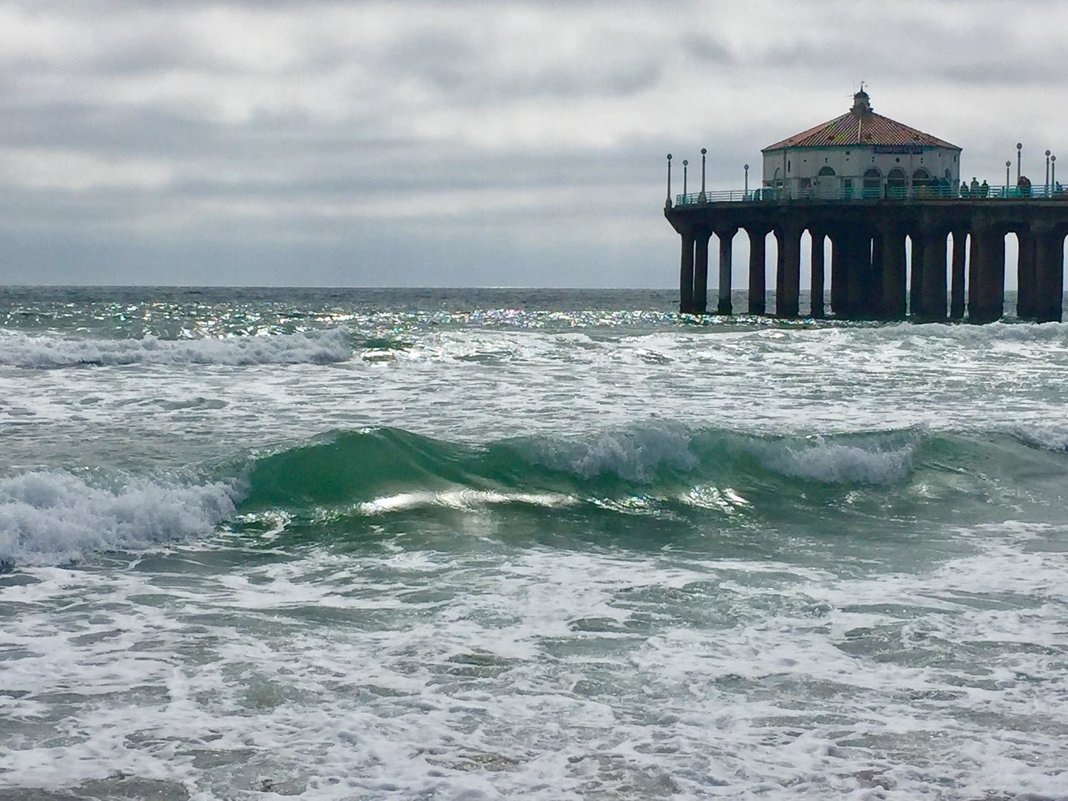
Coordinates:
(419, 143)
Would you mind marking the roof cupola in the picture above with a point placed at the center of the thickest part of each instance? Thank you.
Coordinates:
(861, 103)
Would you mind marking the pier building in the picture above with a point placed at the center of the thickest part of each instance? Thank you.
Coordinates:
(860, 154)
(907, 239)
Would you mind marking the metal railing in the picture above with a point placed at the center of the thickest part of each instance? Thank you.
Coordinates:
(932, 192)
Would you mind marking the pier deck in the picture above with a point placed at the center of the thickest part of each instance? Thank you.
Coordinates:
(868, 259)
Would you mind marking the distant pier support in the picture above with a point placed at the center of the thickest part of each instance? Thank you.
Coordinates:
(686, 274)
(700, 276)
(933, 276)
(788, 291)
(986, 293)
(758, 290)
(1027, 277)
(869, 250)
(726, 246)
(894, 300)
(857, 246)
(1049, 274)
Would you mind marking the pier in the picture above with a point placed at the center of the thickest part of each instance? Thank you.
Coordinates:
(946, 237)
(907, 239)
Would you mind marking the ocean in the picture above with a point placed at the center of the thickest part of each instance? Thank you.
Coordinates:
(543, 544)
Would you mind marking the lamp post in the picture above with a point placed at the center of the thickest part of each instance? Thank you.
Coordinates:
(703, 151)
(1047, 172)
(1019, 155)
(1008, 164)
(1053, 171)
(685, 167)
(747, 180)
(667, 204)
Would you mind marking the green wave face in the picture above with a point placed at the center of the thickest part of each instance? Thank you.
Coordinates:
(354, 466)
(660, 472)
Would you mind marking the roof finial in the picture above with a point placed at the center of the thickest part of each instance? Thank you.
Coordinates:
(861, 102)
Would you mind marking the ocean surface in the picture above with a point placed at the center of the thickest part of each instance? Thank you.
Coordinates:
(497, 544)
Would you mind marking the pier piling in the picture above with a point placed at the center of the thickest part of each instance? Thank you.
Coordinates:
(726, 245)
(868, 254)
(757, 270)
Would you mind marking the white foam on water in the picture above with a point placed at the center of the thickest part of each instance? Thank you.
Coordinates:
(50, 351)
(836, 463)
(1047, 436)
(485, 670)
(633, 453)
(49, 517)
(549, 674)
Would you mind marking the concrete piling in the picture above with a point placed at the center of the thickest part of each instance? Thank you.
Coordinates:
(700, 277)
(757, 270)
(868, 265)
(726, 244)
(816, 274)
(686, 274)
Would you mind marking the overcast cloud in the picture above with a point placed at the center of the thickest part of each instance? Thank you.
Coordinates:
(459, 143)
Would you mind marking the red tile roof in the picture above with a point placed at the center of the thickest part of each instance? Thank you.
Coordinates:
(861, 127)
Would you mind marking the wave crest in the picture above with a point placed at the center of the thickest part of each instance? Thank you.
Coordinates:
(834, 463)
(633, 454)
(54, 517)
(49, 352)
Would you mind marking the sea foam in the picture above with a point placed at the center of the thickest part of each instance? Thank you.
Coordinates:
(44, 352)
(50, 517)
(837, 463)
(633, 453)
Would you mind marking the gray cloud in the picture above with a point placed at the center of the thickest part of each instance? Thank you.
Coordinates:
(453, 142)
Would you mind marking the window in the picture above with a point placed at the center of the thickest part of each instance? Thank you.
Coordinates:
(873, 183)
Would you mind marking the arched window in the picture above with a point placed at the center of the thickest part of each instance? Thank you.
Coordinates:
(826, 171)
(922, 183)
(873, 183)
(896, 185)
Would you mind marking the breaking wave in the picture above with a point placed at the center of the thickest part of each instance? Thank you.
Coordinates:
(50, 352)
(47, 517)
(50, 517)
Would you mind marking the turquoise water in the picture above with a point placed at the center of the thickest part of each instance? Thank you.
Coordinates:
(481, 544)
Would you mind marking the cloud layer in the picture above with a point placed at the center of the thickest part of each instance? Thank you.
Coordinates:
(456, 143)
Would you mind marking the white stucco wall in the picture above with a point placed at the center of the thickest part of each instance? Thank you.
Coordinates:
(800, 167)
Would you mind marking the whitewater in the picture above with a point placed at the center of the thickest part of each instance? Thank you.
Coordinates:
(488, 544)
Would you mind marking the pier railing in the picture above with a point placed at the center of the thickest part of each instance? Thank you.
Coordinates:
(765, 194)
